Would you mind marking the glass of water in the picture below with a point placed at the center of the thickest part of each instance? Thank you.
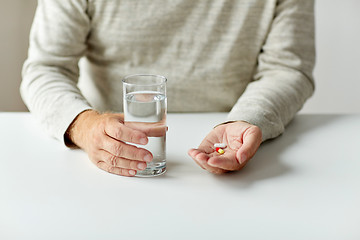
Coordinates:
(145, 104)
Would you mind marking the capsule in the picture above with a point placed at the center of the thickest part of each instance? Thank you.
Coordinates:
(221, 151)
(220, 145)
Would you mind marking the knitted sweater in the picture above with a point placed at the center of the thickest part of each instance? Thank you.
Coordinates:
(251, 58)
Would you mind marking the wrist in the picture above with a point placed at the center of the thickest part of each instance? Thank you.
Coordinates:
(74, 135)
(229, 122)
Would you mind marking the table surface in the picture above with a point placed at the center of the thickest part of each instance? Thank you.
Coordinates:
(303, 185)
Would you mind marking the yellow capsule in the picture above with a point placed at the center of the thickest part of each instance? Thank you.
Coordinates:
(220, 151)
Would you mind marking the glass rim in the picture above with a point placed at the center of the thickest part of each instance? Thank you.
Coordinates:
(144, 75)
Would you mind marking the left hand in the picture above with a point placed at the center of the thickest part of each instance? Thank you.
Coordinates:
(242, 140)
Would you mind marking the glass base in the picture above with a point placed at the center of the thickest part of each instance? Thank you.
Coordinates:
(152, 171)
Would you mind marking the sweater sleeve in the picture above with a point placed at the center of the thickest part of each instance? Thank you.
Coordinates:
(50, 74)
(283, 78)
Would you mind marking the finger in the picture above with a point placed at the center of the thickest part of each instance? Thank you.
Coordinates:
(197, 154)
(201, 159)
(251, 141)
(224, 162)
(121, 162)
(123, 150)
(116, 129)
(150, 129)
(192, 153)
(115, 170)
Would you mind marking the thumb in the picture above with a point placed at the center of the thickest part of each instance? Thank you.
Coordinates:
(252, 138)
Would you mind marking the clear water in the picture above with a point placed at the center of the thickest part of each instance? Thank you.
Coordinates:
(149, 107)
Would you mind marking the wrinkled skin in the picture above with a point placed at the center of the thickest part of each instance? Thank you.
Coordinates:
(242, 140)
(105, 138)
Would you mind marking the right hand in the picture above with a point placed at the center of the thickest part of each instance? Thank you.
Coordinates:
(104, 137)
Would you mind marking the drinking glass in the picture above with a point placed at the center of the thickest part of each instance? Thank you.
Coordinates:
(145, 104)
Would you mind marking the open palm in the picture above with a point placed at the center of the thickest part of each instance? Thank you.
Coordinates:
(242, 140)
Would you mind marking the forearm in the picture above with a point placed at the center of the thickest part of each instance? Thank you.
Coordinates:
(52, 99)
(270, 103)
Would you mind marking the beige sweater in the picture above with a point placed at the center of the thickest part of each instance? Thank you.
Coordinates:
(251, 58)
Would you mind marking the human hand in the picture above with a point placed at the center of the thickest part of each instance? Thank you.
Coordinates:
(104, 137)
(242, 140)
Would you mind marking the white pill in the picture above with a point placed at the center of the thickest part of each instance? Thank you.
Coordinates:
(220, 145)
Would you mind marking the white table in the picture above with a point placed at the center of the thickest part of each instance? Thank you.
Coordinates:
(303, 185)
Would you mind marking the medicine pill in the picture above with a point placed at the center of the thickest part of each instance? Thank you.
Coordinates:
(220, 145)
(220, 151)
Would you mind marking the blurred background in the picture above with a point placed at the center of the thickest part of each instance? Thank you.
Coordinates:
(337, 72)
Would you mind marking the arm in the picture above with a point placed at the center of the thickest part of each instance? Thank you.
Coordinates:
(49, 88)
(283, 79)
(50, 74)
(282, 83)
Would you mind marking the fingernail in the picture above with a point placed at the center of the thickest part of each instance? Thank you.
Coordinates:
(143, 141)
(148, 158)
(132, 172)
(141, 166)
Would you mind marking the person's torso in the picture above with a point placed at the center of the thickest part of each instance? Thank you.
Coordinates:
(207, 49)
